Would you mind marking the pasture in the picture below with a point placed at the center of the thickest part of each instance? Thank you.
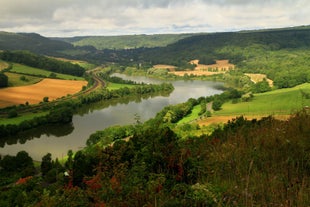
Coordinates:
(22, 69)
(277, 102)
(33, 94)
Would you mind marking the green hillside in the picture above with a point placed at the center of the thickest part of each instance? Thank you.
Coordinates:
(126, 41)
(282, 101)
(32, 42)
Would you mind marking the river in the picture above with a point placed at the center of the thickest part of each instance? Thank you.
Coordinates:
(57, 140)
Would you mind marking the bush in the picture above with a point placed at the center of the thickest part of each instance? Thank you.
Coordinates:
(12, 113)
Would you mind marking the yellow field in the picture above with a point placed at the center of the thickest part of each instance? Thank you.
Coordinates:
(168, 67)
(225, 119)
(52, 88)
(221, 66)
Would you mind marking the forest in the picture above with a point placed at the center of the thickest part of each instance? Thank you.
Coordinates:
(244, 163)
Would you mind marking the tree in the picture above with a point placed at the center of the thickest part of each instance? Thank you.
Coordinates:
(12, 113)
(216, 105)
(45, 99)
(261, 87)
(3, 80)
(23, 78)
(46, 164)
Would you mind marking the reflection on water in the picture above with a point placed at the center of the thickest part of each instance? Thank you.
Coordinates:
(59, 139)
(55, 130)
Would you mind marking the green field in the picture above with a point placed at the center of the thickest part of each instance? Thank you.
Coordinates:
(277, 102)
(3, 65)
(192, 116)
(19, 119)
(18, 68)
(116, 86)
(15, 79)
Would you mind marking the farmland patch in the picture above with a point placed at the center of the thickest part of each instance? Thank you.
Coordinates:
(33, 94)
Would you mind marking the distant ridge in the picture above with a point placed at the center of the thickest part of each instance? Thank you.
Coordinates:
(32, 42)
(126, 41)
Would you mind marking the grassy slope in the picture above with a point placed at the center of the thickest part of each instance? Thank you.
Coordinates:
(14, 79)
(277, 102)
(282, 101)
(18, 68)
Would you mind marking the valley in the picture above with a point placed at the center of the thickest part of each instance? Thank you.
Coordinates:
(215, 119)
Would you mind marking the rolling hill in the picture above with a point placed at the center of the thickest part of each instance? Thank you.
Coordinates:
(125, 41)
(32, 42)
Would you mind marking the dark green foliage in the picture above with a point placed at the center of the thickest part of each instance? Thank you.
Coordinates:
(12, 113)
(45, 99)
(3, 80)
(22, 163)
(217, 104)
(46, 164)
(261, 87)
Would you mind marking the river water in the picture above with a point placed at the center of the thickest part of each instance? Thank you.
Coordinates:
(57, 140)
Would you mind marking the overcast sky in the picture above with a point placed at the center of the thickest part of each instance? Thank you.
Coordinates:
(119, 17)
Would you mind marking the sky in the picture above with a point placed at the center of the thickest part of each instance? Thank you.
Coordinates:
(67, 18)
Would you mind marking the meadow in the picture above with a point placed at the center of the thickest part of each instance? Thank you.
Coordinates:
(20, 119)
(279, 103)
(116, 86)
(282, 101)
(22, 69)
(16, 79)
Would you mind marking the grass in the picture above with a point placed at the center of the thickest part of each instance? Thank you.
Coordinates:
(3, 65)
(192, 116)
(277, 102)
(18, 68)
(81, 63)
(116, 86)
(14, 79)
(19, 119)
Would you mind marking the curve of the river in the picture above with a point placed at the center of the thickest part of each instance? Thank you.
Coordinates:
(57, 140)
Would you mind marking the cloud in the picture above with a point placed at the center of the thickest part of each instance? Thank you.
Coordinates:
(105, 17)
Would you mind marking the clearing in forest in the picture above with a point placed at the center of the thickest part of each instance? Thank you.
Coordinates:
(257, 77)
(33, 94)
